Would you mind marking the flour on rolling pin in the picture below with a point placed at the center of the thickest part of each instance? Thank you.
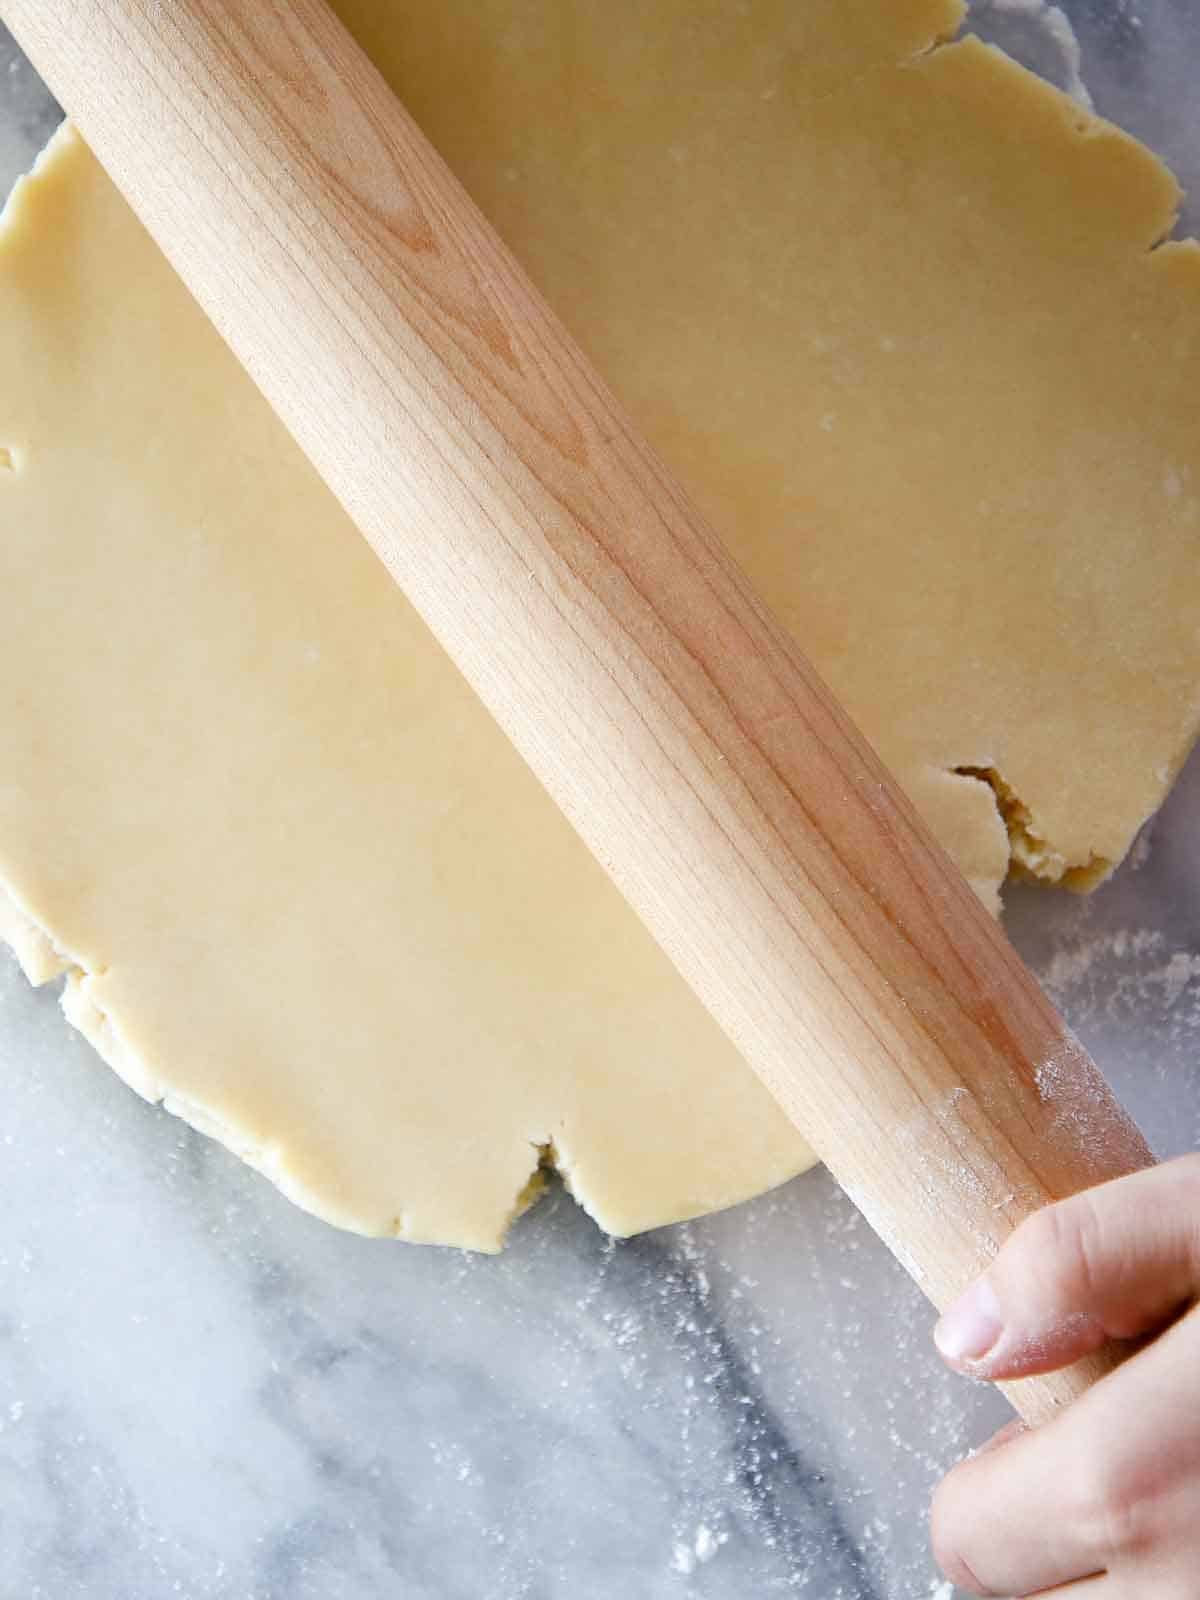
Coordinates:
(1069, 1083)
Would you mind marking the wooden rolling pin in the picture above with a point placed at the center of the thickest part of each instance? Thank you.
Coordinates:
(595, 613)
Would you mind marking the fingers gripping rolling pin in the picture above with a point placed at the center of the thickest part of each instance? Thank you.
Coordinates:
(600, 620)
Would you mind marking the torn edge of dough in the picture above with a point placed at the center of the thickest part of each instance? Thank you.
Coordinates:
(1030, 854)
(38, 957)
(546, 1164)
(42, 959)
(946, 29)
(1056, 26)
(1077, 123)
(552, 1161)
(12, 215)
(63, 136)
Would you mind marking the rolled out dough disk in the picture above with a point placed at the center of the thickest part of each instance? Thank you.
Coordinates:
(892, 312)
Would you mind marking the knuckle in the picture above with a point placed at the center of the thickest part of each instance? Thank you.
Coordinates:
(1118, 1516)
(949, 1522)
(1064, 1242)
(1186, 1172)
(1190, 1166)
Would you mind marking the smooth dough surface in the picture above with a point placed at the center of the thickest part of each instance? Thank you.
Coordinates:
(891, 311)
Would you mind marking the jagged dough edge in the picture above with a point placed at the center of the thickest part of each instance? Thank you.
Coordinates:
(1031, 855)
(42, 960)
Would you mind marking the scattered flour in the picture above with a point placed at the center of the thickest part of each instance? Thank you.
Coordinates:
(1123, 971)
(686, 1557)
(1142, 846)
(1176, 975)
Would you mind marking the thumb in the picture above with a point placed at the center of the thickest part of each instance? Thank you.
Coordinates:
(1113, 1262)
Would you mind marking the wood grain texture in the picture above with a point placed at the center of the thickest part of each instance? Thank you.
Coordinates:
(600, 620)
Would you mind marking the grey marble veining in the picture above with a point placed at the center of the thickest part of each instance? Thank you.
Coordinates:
(205, 1393)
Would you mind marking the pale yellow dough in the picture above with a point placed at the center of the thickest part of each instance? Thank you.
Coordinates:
(893, 314)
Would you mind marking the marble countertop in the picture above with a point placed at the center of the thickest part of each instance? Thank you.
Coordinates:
(205, 1393)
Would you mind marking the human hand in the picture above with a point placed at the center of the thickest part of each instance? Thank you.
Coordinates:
(1108, 1492)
